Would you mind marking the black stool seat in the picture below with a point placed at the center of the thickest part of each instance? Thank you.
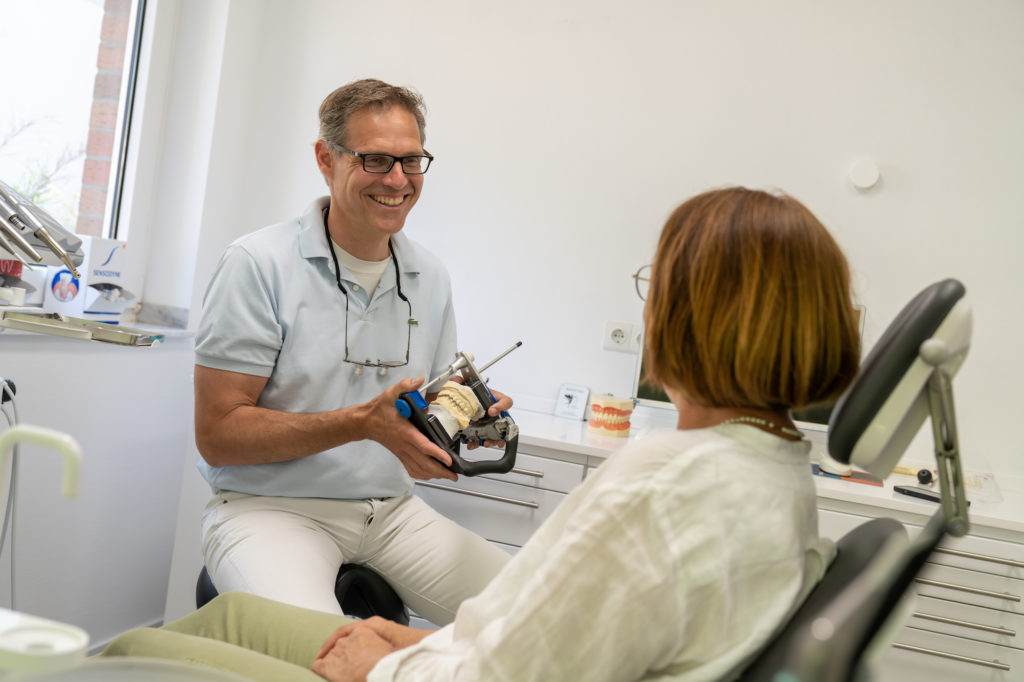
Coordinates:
(360, 591)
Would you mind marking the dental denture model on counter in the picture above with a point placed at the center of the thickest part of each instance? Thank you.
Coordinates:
(609, 416)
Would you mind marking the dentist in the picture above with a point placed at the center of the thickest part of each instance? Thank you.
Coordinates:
(306, 327)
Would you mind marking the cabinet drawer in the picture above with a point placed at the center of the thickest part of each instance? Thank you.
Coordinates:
(922, 655)
(995, 626)
(970, 587)
(541, 472)
(982, 554)
(496, 510)
(834, 525)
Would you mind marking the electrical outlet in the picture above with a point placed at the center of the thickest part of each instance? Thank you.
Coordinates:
(618, 336)
(636, 341)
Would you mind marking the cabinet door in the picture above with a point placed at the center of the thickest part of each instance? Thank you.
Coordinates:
(542, 472)
(498, 511)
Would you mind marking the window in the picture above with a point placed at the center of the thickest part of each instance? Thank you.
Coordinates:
(69, 78)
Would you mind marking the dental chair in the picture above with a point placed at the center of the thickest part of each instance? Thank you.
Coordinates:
(361, 592)
(906, 379)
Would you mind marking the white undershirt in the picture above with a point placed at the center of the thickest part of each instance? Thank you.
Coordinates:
(366, 272)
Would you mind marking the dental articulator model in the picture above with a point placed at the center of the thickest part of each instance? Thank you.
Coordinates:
(459, 415)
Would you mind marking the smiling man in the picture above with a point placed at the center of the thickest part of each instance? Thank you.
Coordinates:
(306, 327)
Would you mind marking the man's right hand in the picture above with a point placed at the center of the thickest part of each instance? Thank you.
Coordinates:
(420, 457)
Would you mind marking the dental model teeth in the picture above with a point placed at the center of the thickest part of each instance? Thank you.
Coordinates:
(455, 406)
(609, 416)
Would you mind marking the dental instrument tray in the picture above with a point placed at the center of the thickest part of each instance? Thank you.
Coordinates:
(414, 407)
(56, 324)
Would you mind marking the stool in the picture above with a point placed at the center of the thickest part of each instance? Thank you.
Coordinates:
(361, 592)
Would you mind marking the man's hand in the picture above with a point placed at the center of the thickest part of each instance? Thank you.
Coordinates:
(420, 457)
(504, 404)
(352, 650)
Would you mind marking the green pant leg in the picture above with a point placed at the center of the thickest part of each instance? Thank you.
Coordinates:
(176, 646)
(257, 638)
(288, 633)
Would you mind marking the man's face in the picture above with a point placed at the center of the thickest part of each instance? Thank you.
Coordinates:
(372, 205)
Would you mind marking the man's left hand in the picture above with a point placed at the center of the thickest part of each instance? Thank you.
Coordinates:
(504, 404)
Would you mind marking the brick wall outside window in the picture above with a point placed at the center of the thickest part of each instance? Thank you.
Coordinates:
(101, 145)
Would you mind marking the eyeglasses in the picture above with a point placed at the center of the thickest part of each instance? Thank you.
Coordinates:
(415, 164)
(642, 279)
(383, 365)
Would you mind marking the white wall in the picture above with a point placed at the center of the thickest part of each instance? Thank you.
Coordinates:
(100, 561)
(566, 132)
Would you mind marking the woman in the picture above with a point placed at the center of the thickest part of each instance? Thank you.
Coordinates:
(686, 550)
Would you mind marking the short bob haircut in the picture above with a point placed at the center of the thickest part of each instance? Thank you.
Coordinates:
(750, 304)
(368, 93)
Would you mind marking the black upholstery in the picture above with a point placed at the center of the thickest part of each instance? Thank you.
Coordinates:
(363, 593)
(854, 553)
(205, 591)
(360, 591)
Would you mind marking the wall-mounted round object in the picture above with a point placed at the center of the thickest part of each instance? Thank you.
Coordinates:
(864, 174)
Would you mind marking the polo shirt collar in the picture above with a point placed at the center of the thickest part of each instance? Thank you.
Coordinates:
(312, 243)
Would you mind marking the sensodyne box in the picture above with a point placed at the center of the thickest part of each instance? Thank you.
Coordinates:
(99, 293)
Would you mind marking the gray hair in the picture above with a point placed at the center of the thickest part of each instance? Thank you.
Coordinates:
(368, 93)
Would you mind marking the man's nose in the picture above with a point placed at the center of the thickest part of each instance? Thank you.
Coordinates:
(396, 177)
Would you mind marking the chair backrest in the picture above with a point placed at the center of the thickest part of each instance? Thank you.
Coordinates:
(854, 554)
(904, 380)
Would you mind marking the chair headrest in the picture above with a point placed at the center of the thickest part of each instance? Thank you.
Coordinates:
(874, 421)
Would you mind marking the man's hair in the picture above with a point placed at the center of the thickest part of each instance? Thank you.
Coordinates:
(750, 304)
(369, 93)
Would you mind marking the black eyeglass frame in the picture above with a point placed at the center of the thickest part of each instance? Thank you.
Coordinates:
(384, 365)
(362, 157)
(638, 277)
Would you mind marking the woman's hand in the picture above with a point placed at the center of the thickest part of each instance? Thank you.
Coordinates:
(352, 650)
(352, 656)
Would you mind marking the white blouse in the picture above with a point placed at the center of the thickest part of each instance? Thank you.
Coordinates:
(676, 560)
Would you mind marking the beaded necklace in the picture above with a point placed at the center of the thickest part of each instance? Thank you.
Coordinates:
(758, 421)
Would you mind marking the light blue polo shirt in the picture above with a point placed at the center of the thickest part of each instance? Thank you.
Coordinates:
(273, 309)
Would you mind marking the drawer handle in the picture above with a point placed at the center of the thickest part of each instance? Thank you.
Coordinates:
(955, 657)
(527, 472)
(972, 590)
(497, 498)
(967, 624)
(981, 557)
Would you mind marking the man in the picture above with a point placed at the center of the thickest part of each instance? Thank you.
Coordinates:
(306, 325)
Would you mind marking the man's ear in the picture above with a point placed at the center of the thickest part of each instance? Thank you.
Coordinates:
(324, 158)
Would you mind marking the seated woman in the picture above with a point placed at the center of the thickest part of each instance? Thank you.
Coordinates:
(685, 551)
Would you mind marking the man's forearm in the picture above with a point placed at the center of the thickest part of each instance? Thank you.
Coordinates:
(257, 435)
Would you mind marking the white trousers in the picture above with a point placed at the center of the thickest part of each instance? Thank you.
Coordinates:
(290, 549)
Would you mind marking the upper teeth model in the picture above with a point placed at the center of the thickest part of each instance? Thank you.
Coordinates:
(455, 406)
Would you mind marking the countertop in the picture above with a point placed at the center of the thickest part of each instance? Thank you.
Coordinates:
(997, 503)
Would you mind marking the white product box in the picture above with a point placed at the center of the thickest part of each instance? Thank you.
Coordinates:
(99, 294)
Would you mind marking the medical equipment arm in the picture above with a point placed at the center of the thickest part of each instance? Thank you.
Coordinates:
(26, 227)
